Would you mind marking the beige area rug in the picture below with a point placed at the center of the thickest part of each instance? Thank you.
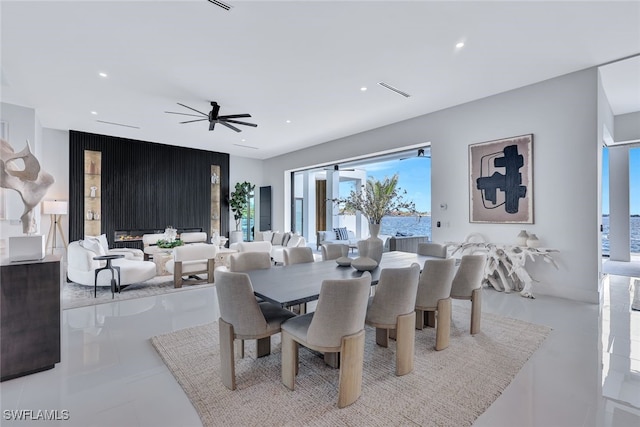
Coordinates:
(75, 295)
(447, 388)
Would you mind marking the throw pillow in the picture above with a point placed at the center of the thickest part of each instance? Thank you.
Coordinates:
(276, 239)
(267, 235)
(102, 239)
(93, 245)
(285, 238)
(294, 241)
(341, 233)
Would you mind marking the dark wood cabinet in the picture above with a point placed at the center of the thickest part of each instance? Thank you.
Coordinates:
(29, 316)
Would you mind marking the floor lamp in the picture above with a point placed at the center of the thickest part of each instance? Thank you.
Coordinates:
(55, 209)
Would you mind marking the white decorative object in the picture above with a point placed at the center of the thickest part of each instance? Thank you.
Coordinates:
(344, 261)
(235, 236)
(170, 234)
(505, 269)
(89, 214)
(533, 241)
(21, 172)
(521, 240)
(93, 191)
(364, 263)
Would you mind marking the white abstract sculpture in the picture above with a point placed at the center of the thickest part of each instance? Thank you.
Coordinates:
(30, 181)
(505, 268)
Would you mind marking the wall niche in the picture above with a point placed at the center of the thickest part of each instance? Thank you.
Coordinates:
(144, 186)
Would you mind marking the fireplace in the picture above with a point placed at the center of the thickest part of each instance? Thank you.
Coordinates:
(133, 238)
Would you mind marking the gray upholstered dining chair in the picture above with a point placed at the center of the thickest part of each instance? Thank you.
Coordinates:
(298, 255)
(392, 308)
(467, 284)
(337, 325)
(434, 299)
(242, 317)
(432, 249)
(334, 251)
(245, 261)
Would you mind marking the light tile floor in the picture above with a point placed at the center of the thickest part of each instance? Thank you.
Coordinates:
(110, 375)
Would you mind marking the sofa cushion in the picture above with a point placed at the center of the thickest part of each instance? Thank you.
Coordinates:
(341, 233)
(102, 239)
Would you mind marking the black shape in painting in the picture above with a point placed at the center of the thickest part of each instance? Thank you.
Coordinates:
(509, 182)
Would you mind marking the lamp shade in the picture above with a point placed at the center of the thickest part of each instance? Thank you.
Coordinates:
(54, 207)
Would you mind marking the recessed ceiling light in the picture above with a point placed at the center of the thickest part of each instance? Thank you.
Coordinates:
(363, 88)
(243, 140)
(103, 74)
(94, 113)
(459, 45)
(288, 121)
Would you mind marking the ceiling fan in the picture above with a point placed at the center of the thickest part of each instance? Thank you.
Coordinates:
(421, 155)
(214, 118)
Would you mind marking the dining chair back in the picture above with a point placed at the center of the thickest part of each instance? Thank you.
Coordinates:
(433, 301)
(245, 261)
(393, 308)
(371, 248)
(337, 326)
(432, 249)
(298, 255)
(334, 251)
(242, 317)
(467, 284)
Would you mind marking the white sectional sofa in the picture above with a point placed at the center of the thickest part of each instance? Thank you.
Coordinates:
(331, 236)
(279, 241)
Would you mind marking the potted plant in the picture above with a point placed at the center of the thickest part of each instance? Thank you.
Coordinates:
(239, 203)
(375, 200)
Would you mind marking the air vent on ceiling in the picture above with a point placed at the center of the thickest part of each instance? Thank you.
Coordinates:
(394, 89)
(220, 4)
(246, 146)
(118, 124)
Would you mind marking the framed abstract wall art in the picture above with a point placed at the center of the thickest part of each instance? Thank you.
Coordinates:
(501, 181)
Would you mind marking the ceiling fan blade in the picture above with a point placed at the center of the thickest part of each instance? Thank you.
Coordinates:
(191, 121)
(212, 124)
(238, 122)
(234, 116)
(182, 114)
(186, 106)
(229, 126)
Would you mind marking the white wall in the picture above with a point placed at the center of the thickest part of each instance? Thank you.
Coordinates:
(627, 127)
(55, 160)
(244, 169)
(561, 113)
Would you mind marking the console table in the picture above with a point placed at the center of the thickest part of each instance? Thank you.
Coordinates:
(30, 316)
(505, 269)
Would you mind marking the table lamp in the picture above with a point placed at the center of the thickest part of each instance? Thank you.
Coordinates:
(55, 208)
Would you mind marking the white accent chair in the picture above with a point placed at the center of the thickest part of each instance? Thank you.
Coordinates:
(334, 251)
(337, 325)
(190, 260)
(243, 318)
(467, 284)
(433, 301)
(393, 308)
(81, 266)
(149, 244)
(193, 237)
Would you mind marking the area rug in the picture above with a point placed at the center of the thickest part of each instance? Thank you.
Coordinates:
(75, 295)
(446, 388)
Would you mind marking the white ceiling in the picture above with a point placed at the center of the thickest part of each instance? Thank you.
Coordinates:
(303, 61)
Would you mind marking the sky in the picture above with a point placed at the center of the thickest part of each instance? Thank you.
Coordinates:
(634, 181)
(414, 175)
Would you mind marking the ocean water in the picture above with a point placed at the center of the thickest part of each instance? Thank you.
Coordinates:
(634, 231)
(406, 225)
(421, 226)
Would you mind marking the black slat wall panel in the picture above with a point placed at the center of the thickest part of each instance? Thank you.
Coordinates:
(146, 185)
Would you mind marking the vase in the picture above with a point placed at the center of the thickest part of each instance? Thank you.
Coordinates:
(521, 239)
(374, 230)
(533, 241)
(235, 237)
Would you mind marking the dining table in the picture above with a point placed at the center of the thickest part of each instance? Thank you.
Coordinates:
(300, 283)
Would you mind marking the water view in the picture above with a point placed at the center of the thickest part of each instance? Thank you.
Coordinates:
(634, 233)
